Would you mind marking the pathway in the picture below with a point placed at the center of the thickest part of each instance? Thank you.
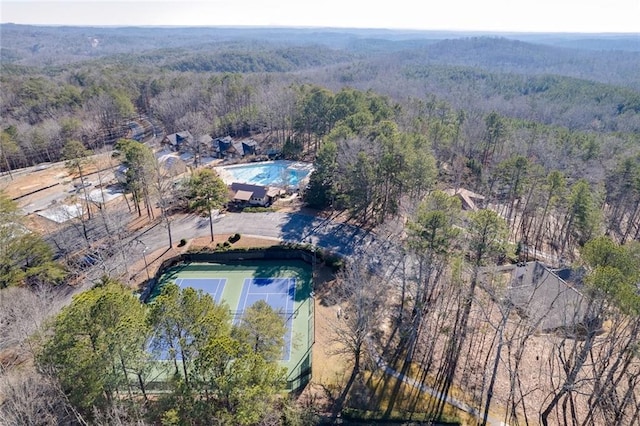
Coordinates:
(491, 420)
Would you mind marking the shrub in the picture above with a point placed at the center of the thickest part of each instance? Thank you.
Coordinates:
(334, 262)
(222, 246)
(258, 209)
(183, 242)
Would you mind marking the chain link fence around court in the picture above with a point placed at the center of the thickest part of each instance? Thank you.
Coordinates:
(299, 313)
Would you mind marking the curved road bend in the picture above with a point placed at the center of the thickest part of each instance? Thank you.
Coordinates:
(340, 238)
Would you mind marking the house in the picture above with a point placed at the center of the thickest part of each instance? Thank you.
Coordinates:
(176, 141)
(257, 195)
(226, 147)
(221, 146)
(205, 142)
(274, 154)
(237, 151)
(249, 147)
(545, 300)
(470, 200)
(121, 173)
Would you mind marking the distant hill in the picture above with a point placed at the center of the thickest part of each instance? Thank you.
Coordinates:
(602, 42)
(499, 54)
(46, 44)
(573, 80)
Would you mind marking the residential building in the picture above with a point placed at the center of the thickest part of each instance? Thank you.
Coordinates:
(257, 195)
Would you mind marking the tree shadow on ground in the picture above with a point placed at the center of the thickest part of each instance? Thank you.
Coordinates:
(337, 237)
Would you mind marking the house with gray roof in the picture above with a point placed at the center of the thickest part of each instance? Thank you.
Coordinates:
(176, 141)
(226, 147)
(222, 147)
(548, 302)
(257, 195)
(250, 147)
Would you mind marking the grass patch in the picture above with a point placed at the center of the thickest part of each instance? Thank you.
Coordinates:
(378, 416)
(409, 404)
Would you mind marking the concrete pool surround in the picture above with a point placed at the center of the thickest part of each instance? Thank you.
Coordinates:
(281, 173)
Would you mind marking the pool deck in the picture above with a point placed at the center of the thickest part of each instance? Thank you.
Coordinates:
(228, 178)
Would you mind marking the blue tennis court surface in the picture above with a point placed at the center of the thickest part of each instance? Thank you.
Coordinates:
(279, 293)
(213, 286)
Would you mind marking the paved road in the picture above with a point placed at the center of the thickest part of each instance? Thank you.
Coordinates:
(340, 238)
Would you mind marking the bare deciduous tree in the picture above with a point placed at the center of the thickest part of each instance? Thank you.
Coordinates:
(34, 400)
(198, 125)
(23, 310)
(358, 295)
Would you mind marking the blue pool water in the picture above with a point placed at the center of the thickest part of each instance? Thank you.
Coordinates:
(270, 173)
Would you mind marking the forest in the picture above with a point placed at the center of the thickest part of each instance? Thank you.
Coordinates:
(545, 128)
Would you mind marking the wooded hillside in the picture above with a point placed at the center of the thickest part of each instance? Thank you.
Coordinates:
(467, 155)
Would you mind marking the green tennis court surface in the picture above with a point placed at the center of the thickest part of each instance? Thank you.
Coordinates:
(284, 284)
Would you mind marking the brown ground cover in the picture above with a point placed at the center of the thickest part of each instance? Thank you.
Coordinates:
(24, 181)
(329, 370)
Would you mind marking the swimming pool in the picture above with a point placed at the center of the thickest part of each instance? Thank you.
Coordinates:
(281, 173)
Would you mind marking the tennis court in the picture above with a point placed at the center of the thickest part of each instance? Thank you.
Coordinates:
(213, 286)
(284, 284)
(279, 293)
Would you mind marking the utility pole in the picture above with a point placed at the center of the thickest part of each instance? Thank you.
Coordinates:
(144, 256)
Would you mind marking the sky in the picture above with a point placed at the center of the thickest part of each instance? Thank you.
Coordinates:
(584, 16)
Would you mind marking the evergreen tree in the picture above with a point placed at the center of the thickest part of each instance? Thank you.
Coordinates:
(322, 182)
(206, 192)
(97, 344)
(140, 171)
(25, 258)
